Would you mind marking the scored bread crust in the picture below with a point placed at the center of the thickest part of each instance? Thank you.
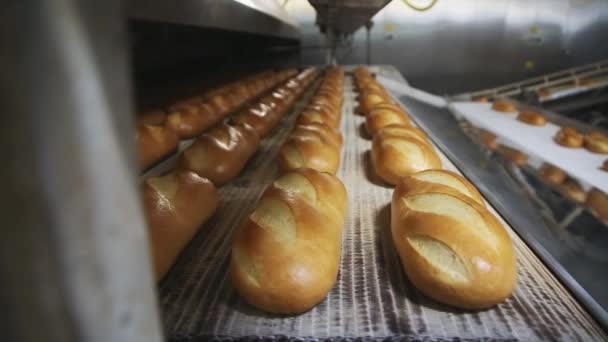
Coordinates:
(452, 248)
(176, 205)
(569, 137)
(504, 106)
(154, 143)
(392, 162)
(418, 183)
(532, 118)
(596, 143)
(309, 149)
(378, 118)
(286, 255)
(221, 153)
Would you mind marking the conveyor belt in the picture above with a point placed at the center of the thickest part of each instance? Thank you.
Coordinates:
(372, 297)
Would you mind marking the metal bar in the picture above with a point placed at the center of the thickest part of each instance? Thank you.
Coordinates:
(74, 259)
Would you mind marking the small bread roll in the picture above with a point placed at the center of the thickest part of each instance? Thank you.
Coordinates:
(596, 142)
(513, 155)
(381, 117)
(189, 121)
(532, 118)
(569, 137)
(552, 174)
(394, 157)
(309, 116)
(176, 206)
(260, 116)
(286, 255)
(154, 143)
(451, 247)
(504, 106)
(598, 203)
(573, 190)
(488, 139)
(481, 99)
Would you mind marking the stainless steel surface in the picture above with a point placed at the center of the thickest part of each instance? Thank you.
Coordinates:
(345, 16)
(564, 77)
(263, 17)
(74, 259)
(465, 45)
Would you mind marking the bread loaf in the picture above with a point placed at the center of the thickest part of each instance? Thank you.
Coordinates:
(286, 255)
(380, 117)
(596, 142)
(154, 117)
(154, 143)
(504, 106)
(260, 116)
(396, 130)
(573, 190)
(176, 206)
(451, 247)
(394, 157)
(488, 139)
(220, 154)
(513, 155)
(569, 137)
(598, 203)
(552, 174)
(312, 149)
(532, 118)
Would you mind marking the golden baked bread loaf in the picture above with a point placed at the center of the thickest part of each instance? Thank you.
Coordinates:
(451, 247)
(331, 134)
(309, 116)
(155, 117)
(596, 142)
(190, 121)
(598, 203)
(176, 206)
(381, 117)
(513, 155)
(569, 137)
(154, 143)
(532, 118)
(394, 157)
(504, 106)
(311, 149)
(552, 174)
(397, 130)
(488, 139)
(261, 117)
(436, 179)
(573, 190)
(221, 153)
(286, 255)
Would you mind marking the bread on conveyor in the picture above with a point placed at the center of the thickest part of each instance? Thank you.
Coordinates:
(481, 99)
(488, 139)
(552, 174)
(221, 153)
(596, 142)
(532, 118)
(286, 255)
(569, 137)
(505, 106)
(189, 121)
(513, 155)
(451, 247)
(154, 143)
(176, 205)
(310, 148)
(403, 131)
(395, 156)
(598, 202)
(573, 190)
(381, 117)
(155, 117)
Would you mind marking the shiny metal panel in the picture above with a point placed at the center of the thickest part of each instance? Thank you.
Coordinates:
(261, 17)
(463, 45)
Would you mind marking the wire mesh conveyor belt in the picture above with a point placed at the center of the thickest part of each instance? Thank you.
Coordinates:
(372, 297)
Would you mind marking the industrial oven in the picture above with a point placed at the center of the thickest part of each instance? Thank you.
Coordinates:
(197, 170)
